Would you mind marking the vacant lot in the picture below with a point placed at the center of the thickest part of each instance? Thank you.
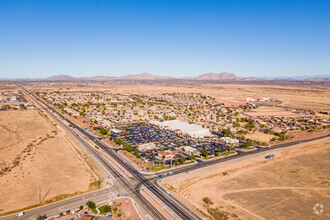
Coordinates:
(271, 111)
(261, 137)
(38, 162)
(286, 187)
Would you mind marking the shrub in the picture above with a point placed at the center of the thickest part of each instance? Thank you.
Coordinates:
(207, 201)
(107, 209)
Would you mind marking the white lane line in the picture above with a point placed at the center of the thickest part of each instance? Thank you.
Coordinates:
(149, 216)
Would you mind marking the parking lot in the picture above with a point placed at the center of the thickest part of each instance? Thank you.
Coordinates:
(142, 133)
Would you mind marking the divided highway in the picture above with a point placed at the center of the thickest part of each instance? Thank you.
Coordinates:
(180, 210)
(135, 185)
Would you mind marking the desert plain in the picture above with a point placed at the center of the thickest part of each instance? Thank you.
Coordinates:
(286, 187)
(39, 162)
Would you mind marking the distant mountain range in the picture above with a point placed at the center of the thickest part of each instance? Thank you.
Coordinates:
(224, 76)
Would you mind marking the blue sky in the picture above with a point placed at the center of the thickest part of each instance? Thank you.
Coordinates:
(176, 38)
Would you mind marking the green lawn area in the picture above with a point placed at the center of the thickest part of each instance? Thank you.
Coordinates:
(156, 168)
(189, 162)
(228, 153)
(94, 210)
(207, 158)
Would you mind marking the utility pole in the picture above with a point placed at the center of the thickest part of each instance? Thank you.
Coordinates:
(39, 194)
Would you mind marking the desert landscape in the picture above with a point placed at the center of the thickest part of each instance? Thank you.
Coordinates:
(157, 110)
(39, 162)
(286, 187)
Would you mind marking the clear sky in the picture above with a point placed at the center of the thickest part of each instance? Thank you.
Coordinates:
(164, 37)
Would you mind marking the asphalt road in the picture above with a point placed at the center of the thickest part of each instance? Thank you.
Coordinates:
(118, 190)
(238, 155)
(134, 184)
(134, 190)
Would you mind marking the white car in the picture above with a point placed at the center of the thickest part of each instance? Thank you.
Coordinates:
(20, 214)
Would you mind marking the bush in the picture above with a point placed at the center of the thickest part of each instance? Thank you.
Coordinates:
(207, 201)
(81, 207)
(217, 214)
(107, 209)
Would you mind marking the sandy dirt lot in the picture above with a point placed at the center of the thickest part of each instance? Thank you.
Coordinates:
(38, 162)
(316, 97)
(261, 137)
(271, 111)
(286, 187)
(125, 209)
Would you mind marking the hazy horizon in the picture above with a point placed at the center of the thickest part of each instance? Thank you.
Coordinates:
(166, 38)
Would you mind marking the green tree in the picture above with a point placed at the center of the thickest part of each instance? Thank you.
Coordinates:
(91, 205)
(81, 207)
(128, 148)
(192, 156)
(247, 144)
(136, 153)
(119, 141)
(182, 160)
(204, 152)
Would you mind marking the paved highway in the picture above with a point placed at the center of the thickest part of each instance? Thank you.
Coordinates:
(180, 210)
(238, 155)
(134, 186)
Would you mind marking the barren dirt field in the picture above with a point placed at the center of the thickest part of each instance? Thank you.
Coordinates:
(38, 162)
(261, 137)
(271, 111)
(286, 187)
(315, 97)
(126, 210)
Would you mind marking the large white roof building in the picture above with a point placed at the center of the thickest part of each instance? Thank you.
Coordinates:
(179, 126)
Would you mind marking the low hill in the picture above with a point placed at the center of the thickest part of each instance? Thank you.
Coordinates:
(143, 76)
(224, 76)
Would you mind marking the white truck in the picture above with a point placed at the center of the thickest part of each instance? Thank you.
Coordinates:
(20, 214)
